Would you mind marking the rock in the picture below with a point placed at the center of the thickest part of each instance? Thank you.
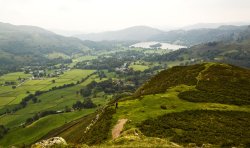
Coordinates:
(52, 142)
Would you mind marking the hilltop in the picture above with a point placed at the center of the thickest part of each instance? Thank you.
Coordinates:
(203, 104)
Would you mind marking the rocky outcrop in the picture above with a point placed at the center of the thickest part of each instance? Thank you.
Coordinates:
(51, 142)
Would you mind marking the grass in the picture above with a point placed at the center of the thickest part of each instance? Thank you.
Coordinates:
(55, 55)
(130, 139)
(81, 59)
(54, 100)
(7, 93)
(84, 58)
(13, 77)
(49, 101)
(149, 106)
(36, 130)
(136, 67)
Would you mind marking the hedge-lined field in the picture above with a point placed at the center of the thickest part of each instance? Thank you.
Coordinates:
(9, 96)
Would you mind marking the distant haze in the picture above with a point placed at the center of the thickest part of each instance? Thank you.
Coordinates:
(102, 15)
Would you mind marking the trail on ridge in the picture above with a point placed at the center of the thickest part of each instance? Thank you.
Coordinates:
(116, 131)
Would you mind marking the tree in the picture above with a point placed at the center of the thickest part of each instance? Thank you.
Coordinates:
(77, 93)
(34, 99)
(77, 105)
(87, 103)
(86, 92)
(67, 109)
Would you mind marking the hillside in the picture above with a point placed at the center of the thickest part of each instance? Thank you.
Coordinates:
(136, 33)
(233, 51)
(200, 105)
(183, 37)
(203, 35)
(28, 44)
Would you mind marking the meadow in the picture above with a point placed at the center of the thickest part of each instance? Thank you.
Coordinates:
(10, 96)
(138, 67)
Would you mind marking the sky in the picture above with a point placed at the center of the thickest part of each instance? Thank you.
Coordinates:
(101, 15)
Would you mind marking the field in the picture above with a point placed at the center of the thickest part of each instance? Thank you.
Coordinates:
(136, 67)
(13, 77)
(56, 100)
(55, 55)
(80, 59)
(9, 96)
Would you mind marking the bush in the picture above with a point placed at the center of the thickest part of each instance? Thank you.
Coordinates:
(163, 107)
(201, 126)
(3, 131)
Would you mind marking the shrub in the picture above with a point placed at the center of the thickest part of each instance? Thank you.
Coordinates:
(201, 126)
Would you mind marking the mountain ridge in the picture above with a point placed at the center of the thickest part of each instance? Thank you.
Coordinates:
(137, 33)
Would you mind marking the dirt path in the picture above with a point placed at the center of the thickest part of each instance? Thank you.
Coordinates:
(118, 128)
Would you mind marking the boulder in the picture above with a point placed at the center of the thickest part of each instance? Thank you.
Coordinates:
(51, 142)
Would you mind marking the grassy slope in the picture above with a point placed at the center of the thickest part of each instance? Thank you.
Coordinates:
(35, 131)
(149, 106)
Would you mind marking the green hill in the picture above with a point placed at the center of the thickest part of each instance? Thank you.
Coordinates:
(204, 104)
(26, 45)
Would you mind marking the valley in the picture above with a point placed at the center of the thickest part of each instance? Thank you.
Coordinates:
(177, 92)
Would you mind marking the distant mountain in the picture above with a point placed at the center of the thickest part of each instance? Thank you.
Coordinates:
(182, 37)
(198, 36)
(235, 49)
(212, 25)
(31, 45)
(137, 33)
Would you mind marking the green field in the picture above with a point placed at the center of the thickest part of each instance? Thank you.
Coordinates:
(56, 55)
(81, 59)
(13, 77)
(136, 67)
(10, 96)
(54, 100)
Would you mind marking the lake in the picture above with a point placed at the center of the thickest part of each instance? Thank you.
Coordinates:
(163, 45)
